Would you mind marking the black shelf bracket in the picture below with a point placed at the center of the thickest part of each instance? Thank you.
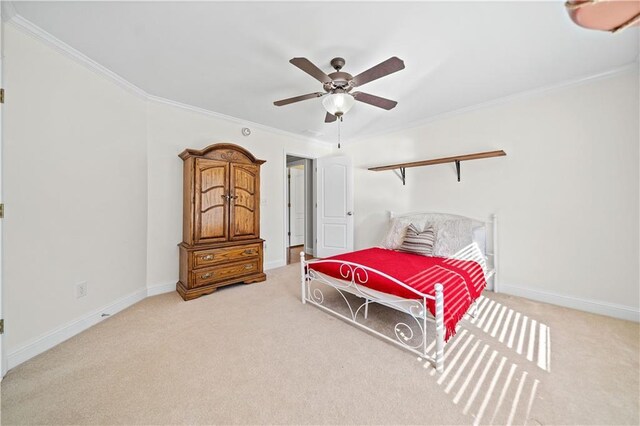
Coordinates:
(458, 169)
(401, 173)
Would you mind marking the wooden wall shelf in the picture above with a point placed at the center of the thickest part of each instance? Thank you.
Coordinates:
(456, 159)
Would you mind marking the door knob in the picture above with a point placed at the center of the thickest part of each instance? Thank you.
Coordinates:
(349, 213)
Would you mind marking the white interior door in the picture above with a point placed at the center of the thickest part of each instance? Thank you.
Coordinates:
(296, 182)
(335, 206)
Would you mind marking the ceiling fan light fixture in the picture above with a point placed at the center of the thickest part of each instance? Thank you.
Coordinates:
(337, 85)
(338, 103)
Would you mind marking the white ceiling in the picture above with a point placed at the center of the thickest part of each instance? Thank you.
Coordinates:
(232, 58)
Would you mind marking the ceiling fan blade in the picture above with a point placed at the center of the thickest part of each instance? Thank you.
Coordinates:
(375, 100)
(298, 98)
(387, 67)
(330, 118)
(307, 66)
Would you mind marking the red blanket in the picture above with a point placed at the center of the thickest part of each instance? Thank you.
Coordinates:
(463, 280)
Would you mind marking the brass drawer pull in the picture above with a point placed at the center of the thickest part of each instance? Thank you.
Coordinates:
(249, 252)
(207, 275)
(248, 266)
(207, 257)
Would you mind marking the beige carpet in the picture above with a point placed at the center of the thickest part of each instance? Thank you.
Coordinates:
(255, 354)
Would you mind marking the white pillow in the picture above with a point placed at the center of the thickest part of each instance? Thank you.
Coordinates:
(452, 236)
(397, 230)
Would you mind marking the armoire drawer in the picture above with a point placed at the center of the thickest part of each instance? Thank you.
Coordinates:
(224, 272)
(203, 258)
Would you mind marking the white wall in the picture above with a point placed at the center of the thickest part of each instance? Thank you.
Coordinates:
(75, 190)
(171, 130)
(93, 191)
(566, 194)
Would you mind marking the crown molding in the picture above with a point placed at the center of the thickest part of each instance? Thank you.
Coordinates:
(632, 66)
(62, 47)
(74, 54)
(239, 121)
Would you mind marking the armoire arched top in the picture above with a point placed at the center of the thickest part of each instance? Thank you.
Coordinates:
(223, 151)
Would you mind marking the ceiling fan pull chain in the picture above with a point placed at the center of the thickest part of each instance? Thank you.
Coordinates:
(339, 120)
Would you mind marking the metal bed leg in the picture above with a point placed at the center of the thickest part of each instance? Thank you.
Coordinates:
(439, 328)
(303, 278)
(424, 327)
(366, 308)
(496, 286)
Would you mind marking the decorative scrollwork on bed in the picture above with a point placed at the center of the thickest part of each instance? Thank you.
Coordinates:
(410, 332)
(347, 294)
(404, 334)
(317, 296)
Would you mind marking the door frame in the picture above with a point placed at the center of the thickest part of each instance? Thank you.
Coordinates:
(3, 358)
(285, 188)
(289, 202)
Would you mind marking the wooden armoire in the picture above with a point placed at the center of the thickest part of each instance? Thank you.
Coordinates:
(221, 220)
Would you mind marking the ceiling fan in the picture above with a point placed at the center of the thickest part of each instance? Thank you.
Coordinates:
(338, 86)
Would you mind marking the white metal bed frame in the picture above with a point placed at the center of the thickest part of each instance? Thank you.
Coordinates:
(355, 279)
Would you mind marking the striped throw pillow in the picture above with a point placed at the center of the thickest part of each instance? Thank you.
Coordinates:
(419, 242)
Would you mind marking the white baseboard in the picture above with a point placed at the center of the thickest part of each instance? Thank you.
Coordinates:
(60, 334)
(594, 306)
(156, 289)
(49, 340)
(274, 264)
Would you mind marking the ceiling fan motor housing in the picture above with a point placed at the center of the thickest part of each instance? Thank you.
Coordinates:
(339, 80)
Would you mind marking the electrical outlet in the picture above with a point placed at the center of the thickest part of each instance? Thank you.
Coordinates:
(81, 289)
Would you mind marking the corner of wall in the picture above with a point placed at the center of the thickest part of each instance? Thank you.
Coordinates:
(148, 145)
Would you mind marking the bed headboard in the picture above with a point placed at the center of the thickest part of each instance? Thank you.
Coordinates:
(485, 234)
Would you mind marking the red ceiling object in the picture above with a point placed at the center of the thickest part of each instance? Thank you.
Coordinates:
(605, 15)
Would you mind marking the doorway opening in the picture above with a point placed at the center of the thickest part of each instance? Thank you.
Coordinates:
(299, 208)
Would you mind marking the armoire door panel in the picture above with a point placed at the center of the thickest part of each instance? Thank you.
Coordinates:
(245, 207)
(211, 190)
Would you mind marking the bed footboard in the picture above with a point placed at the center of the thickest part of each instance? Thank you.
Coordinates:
(415, 330)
